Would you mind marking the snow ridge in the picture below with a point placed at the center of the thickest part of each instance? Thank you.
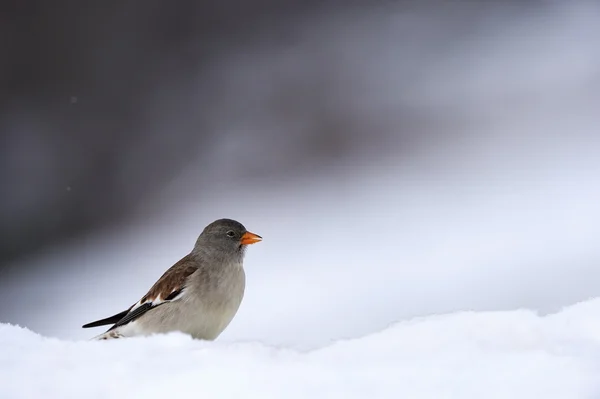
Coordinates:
(512, 354)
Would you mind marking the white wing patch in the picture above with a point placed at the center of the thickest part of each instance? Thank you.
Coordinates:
(158, 300)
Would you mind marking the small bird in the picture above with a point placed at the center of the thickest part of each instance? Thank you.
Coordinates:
(199, 295)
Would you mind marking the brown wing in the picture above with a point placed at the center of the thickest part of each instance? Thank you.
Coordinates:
(168, 287)
(171, 283)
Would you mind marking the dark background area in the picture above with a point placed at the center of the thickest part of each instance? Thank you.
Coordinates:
(79, 88)
(82, 85)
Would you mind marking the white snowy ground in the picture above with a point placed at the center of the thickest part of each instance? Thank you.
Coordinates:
(467, 355)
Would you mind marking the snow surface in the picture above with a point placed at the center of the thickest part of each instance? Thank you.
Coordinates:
(512, 355)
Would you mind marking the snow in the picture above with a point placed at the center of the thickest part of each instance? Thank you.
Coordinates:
(512, 354)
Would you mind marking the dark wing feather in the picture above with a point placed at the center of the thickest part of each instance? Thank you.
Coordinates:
(134, 314)
(108, 320)
(168, 287)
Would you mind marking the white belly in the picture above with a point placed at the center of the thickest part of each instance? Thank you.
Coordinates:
(202, 316)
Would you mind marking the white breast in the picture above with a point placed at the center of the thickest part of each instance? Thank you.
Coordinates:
(203, 311)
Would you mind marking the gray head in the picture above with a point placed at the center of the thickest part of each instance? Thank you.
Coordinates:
(225, 237)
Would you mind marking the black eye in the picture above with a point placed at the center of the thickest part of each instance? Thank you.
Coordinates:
(231, 233)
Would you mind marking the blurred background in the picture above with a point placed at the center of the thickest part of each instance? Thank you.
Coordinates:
(400, 158)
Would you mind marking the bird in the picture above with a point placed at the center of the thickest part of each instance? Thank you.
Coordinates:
(199, 295)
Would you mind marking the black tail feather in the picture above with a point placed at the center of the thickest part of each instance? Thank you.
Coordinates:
(109, 320)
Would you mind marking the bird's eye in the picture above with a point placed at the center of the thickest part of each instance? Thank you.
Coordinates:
(231, 233)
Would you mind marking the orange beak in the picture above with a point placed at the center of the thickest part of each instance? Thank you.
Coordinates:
(250, 238)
